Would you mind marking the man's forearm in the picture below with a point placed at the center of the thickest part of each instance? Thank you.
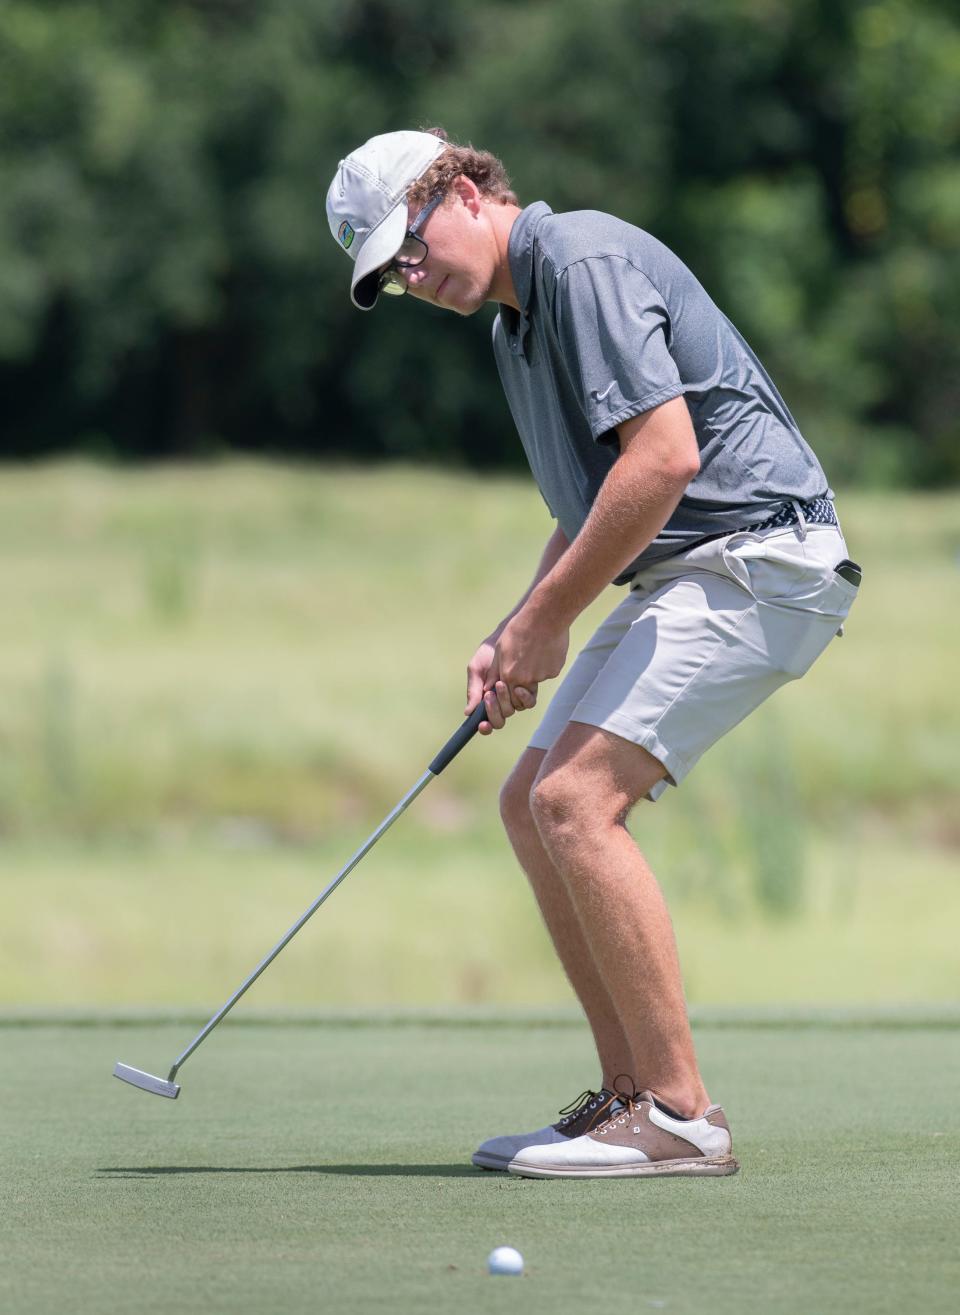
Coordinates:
(557, 545)
(635, 502)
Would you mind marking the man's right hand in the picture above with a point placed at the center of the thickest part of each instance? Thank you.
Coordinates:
(482, 675)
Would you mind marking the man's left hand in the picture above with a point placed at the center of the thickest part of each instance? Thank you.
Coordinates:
(530, 649)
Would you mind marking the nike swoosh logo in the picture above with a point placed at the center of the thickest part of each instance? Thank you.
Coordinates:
(598, 397)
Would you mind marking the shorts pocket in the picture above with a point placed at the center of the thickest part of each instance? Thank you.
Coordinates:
(802, 601)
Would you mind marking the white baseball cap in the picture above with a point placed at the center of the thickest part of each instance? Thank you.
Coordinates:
(367, 203)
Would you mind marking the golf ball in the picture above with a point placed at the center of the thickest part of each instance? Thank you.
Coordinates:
(505, 1260)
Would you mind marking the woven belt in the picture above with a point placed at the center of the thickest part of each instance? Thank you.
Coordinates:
(818, 511)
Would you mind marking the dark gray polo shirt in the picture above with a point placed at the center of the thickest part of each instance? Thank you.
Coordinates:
(613, 324)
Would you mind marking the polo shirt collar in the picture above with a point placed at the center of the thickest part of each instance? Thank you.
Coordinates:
(520, 255)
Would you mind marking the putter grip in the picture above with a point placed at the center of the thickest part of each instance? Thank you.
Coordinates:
(463, 735)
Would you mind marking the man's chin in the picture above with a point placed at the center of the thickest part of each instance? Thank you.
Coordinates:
(460, 297)
(453, 296)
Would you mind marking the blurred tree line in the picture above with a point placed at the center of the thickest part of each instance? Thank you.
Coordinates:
(168, 285)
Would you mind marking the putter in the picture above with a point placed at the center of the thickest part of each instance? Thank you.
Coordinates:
(167, 1086)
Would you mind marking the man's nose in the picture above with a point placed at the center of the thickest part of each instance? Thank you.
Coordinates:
(414, 276)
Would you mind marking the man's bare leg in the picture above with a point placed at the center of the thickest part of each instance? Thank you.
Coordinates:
(561, 921)
(586, 786)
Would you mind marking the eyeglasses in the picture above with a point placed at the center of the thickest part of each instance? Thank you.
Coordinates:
(413, 252)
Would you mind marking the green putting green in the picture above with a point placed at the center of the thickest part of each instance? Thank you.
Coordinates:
(324, 1166)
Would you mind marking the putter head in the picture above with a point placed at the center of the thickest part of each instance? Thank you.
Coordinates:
(146, 1081)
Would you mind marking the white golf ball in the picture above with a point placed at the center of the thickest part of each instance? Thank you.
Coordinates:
(505, 1260)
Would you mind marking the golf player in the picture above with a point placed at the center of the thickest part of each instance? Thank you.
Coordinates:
(671, 466)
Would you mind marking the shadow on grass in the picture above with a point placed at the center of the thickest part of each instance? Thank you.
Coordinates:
(351, 1170)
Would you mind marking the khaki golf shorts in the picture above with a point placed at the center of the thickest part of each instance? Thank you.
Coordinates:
(702, 639)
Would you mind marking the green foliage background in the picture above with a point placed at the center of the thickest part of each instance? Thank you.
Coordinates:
(168, 286)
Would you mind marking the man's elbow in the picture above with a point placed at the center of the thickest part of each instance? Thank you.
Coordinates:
(684, 465)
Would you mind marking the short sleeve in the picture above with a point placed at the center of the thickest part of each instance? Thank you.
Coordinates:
(612, 327)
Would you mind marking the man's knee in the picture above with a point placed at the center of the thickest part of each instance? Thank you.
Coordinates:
(562, 806)
(589, 782)
(515, 794)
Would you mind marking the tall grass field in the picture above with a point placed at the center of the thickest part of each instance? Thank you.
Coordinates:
(216, 680)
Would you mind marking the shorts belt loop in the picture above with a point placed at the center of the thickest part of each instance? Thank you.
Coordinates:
(801, 519)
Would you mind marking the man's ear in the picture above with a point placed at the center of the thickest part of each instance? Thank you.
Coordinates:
(466, 190)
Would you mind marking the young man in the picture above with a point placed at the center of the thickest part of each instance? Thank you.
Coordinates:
(672, 465)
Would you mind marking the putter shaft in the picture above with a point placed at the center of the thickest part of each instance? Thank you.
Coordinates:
(167, 1087)
(268, 959)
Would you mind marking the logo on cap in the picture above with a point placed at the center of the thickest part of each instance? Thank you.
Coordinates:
(345, 234)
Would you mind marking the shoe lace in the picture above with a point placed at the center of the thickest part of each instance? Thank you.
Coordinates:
(593, 1100)
(629, 1100)
(579, 1105)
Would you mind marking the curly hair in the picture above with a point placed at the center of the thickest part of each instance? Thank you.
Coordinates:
(480, 167)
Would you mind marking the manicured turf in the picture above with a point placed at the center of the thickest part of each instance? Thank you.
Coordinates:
(324, 1166)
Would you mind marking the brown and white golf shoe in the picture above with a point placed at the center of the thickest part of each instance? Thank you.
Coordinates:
(588, 1111)
(638, 1140)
